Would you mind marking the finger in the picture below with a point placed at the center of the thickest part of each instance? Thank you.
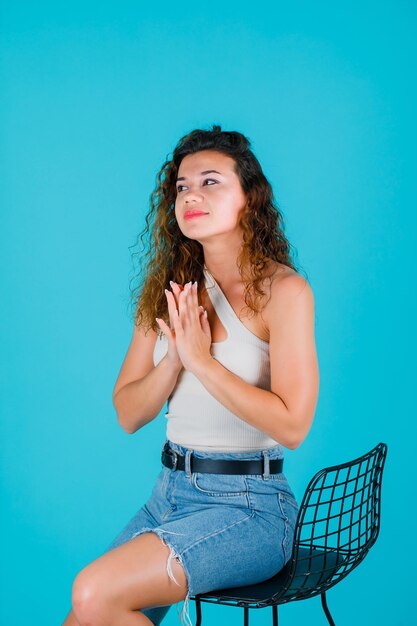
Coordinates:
(183, 303)
(205, 325)
(164, 327)
(177, 286)
(201, 312)
(176, 289)
(171, 305)
(174, 313)
(172, 308)
(193, 303)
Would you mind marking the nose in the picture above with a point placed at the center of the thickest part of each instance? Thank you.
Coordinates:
(191, 196)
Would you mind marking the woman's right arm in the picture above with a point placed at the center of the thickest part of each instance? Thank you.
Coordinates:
(142, 389)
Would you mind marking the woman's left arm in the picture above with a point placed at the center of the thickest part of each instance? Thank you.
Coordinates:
(286, 412)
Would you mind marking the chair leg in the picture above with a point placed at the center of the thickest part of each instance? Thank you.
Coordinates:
(246, 616)
(274, 615)
(326, 609)
(198, 611)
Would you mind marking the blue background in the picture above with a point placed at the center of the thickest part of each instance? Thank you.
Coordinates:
(94, 97)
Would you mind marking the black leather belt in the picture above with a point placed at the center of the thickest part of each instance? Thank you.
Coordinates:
(175, 461)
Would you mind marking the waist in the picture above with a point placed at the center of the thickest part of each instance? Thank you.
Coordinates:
(177, 457)
(211, 431)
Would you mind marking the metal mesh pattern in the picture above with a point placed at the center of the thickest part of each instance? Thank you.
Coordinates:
(338, 522)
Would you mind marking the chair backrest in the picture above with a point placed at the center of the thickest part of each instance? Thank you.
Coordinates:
(338, 522)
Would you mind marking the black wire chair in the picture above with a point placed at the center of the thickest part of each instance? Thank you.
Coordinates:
(338, 522)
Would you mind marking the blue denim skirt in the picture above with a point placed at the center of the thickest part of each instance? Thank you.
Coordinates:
(226, 530)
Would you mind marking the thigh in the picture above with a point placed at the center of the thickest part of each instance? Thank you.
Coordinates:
(229, 530)
(225, 546)
(132, 576)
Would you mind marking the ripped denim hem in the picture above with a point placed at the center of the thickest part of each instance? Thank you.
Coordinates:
(184, 615)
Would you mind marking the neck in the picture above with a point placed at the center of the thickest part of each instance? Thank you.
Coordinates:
(220, 258)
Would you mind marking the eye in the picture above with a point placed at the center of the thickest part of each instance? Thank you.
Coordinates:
(205, 180)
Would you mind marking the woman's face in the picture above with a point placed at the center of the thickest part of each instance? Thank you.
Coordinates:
(208, 202)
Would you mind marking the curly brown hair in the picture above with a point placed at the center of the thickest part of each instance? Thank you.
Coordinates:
(168, 254)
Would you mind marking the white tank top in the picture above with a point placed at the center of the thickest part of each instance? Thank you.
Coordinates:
(195, 419)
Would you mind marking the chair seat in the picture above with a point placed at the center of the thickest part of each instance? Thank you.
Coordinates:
(313, 567)
(337, 524)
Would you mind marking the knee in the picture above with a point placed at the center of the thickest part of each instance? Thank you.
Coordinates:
(88, 601)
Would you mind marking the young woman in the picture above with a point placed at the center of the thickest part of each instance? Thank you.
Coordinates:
(224, 330)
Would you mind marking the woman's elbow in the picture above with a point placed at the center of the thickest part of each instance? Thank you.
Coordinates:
(293, 442)
(300, 432)
(124, 425)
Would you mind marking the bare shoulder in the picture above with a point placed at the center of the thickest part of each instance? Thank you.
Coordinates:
(287, 289)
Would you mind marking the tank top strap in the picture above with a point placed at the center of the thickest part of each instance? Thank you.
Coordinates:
(220, 303)
(225, 312)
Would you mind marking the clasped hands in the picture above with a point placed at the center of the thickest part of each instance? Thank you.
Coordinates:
(188, 333)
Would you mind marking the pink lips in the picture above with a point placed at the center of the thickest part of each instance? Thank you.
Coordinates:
(188, 215)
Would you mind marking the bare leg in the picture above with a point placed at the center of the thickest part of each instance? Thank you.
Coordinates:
(111, 590)
(71, 620)
(155, 614)
(129, 619)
